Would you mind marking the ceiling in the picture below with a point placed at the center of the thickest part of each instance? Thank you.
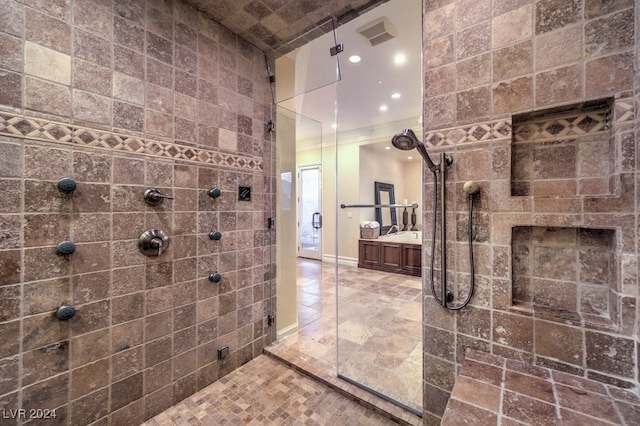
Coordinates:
(292, 27)
(276, 26)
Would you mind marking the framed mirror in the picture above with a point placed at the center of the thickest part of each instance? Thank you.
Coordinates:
(386, 217)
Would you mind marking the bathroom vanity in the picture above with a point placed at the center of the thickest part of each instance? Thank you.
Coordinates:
(399, 253)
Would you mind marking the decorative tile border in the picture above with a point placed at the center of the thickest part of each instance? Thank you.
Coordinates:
(40, 129)
(570, 125)
(489, 131)
(566, 127)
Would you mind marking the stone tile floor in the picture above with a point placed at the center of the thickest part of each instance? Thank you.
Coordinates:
(379, 335)
(491, 390)
(265, 391)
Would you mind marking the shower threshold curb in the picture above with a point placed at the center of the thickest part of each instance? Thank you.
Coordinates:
(310, 367)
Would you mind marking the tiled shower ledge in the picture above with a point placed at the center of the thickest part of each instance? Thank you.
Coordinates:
(322, 372)
(491, 390)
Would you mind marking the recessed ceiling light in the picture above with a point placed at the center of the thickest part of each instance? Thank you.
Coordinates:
(409, 158)
(395, 95)
(400, 58)
(354, 58)
(334, 126)
(387, 147)
(383, 108)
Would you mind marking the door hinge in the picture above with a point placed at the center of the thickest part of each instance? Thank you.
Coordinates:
(271, 222)
(271, 126)
(336, 49)
(271, 319)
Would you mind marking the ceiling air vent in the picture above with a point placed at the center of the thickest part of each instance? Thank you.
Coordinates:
(378, 31)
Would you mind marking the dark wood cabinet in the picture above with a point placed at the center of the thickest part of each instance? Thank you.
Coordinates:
(393, 257)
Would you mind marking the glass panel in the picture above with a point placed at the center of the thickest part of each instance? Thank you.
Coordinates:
(379, 312)
(298, 296)
(309, 67)
(305, 115)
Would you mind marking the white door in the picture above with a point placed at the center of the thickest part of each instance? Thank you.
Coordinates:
(310, 212)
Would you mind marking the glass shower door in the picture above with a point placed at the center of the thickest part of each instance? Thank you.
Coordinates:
(305, 114)
(379, 305)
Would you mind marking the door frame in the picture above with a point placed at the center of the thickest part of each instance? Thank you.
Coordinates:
(308, 254)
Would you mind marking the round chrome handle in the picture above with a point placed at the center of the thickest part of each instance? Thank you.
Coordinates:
(215, 277)
(153, 242)
(216, 235)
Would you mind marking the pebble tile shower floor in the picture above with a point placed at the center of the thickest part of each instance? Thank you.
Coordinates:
(264, 391)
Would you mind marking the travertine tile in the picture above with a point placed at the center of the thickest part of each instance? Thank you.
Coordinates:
(47, 97)
(47, 63)
(559, 47)
(47, 31)
(14, 22)
(511, 27)
(128, 89)
(554, 14)
(91, 108)
(608, 74)
(473, 41)
(558, 85)
(91, 48)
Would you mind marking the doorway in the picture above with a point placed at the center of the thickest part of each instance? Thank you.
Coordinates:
(310, 211)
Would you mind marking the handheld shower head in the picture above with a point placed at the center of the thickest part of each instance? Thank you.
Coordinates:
(406, 140)
(471, 188)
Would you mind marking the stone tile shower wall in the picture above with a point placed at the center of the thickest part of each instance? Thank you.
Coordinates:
(558, 202)
(122, 96)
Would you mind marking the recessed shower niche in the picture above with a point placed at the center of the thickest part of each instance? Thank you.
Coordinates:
(565, 269)
(563, 152)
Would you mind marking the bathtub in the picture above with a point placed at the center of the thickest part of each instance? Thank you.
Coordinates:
(406, 237)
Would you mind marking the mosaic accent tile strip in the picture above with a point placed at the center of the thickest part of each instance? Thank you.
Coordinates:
(566, 127)
(489, 131)
(45, 130)
(623, 111)
(576, 125)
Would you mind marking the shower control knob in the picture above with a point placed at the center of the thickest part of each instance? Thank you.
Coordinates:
(214, 192)
(153, 242)
(65, 248)
(215, 277)
(153, 197)
(65, 312)
(66, 185)
(216, 235)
